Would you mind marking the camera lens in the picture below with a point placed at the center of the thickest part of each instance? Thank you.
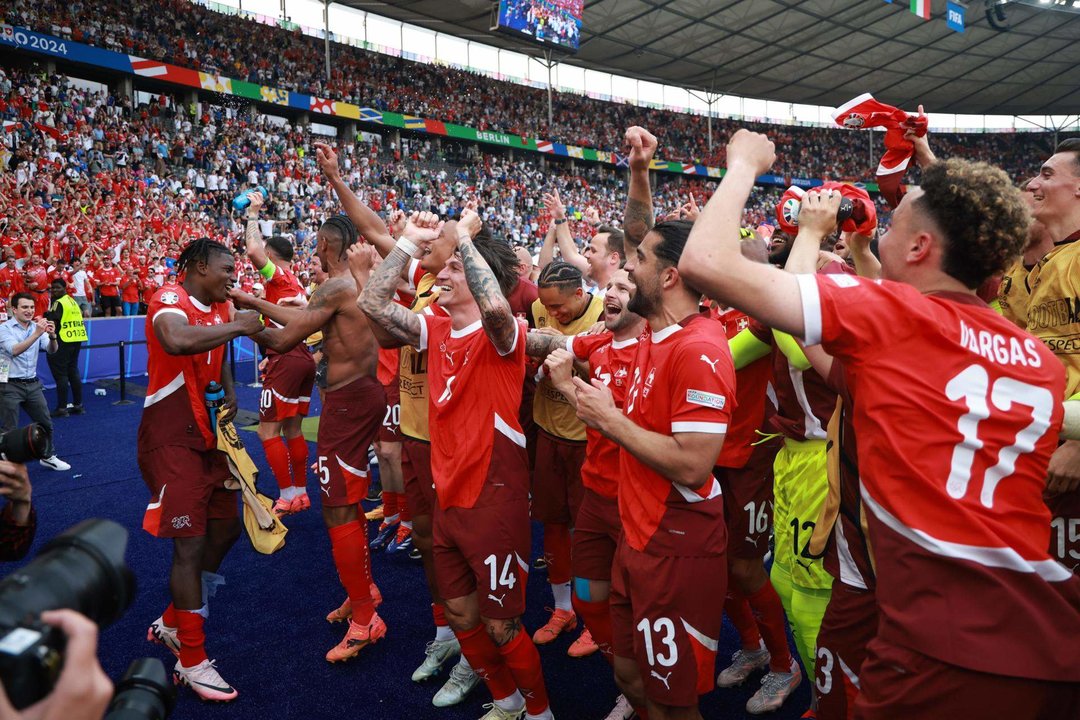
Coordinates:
(144, 693)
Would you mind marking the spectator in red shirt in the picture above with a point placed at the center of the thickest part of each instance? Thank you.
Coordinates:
(130, 287)
(108, 279)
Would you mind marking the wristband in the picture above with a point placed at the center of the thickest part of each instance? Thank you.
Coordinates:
(406, 245)
(560, 221)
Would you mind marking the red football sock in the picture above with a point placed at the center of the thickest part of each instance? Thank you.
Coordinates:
(277, 455)
(169, 616)
(769, 613)
(738, 611)
(403, 508)
(298, 457)
(350, 549)
(191, 636)
(390, 511)
(557, 552)
(597, 617)
(438, 615)
(484, 657)
(523, 660)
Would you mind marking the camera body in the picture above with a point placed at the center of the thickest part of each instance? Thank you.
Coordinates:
(31, 656)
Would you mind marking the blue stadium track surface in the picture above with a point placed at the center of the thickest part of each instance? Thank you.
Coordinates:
(267, 629)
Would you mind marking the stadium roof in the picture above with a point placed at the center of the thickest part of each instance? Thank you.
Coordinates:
(819, 52)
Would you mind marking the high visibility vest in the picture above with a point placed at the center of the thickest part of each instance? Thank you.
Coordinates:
(72, 329)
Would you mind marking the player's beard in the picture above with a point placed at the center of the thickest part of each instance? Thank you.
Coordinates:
(641, 303)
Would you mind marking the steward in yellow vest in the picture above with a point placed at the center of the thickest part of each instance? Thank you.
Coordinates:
(65, 314)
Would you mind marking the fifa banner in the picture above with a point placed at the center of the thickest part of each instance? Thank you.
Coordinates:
(35, 42)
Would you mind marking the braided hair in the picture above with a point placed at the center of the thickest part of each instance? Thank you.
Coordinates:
(344, 229)
(561, 275)
(197, 251)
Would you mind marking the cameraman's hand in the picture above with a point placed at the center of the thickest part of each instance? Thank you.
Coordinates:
(15, 486)
(82, 691)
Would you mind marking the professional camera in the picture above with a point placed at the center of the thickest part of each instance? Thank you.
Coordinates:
(144, 693)
(24, 444)
(83, 570)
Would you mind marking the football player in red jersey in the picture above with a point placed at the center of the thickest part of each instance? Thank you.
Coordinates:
(476, 366)
(952, 461)
(671, 564)
(289, 377)
(353, 407)
(609, 357)
(187, 327)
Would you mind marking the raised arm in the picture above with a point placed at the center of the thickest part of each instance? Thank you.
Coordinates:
(495, 313)
(281, 314)
(817, 220)
(712, 260)
(547, 250)
(376, 300)
(370, 225)
(177, 337)
(567, 247)
(639, 217)
(253, 240)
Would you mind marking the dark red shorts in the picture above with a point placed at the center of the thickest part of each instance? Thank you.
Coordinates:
(666, 614)
(849, 624)
(596, 536)
(287, 385)
(389, 431)
(1065, 528)
(748, 501)
(416, 469)
(188, 488)
(900, 684)
(483, 549)
(350, 420)
(556, 479)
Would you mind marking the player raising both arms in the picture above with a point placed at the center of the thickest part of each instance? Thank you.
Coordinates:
(187, 326)
(952, 459)
(476, 365)
(353, 408)
(289, 377)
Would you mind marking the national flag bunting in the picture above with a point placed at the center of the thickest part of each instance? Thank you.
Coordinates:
(215, 83)
(370, 115)
(274, 95)
(921, 8)
(322, 105)
(414, 123)
(147, 68)
(621, 160)
(545, 146)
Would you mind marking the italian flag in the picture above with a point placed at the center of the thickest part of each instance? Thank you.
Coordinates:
(921, 8)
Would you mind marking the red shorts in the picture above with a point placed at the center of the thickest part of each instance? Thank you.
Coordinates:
(666, 614)
(482, 550)
(391, 424)
(287, 385)
(416, 469)
(903, 684)
(188, 488)
(1065, 528)
(596, 536)
(849, 624)
(748, 501)
(556, 479)
(349, 423)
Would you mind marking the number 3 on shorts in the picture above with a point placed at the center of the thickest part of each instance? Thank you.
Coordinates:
(506, 578)
(665, 631)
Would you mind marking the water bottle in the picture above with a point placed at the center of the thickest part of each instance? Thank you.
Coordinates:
(241, 201)
(215, 400)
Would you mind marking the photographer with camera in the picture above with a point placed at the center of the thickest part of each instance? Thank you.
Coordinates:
(21, 339)
(83, 691)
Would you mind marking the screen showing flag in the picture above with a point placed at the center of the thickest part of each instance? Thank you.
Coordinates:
(550, 22)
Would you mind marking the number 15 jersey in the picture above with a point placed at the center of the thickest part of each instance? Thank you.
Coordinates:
(957, 412)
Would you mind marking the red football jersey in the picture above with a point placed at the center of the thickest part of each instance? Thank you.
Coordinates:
(174, 412)
(473, 398)
(957, 414)
(389, 358)
(108, 280)
(610, 361)
(683, 381)
(751, 396)
(281, 286)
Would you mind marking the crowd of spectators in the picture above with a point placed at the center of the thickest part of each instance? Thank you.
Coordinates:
(190, 35)
(104, 194)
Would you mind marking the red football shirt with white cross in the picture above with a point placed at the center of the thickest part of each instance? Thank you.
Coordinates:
(283, 285)
(683, 381)
(108, 279)
(752, 396)
(174, 411)
(473, 399)
(611, 362)
(957, 413)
